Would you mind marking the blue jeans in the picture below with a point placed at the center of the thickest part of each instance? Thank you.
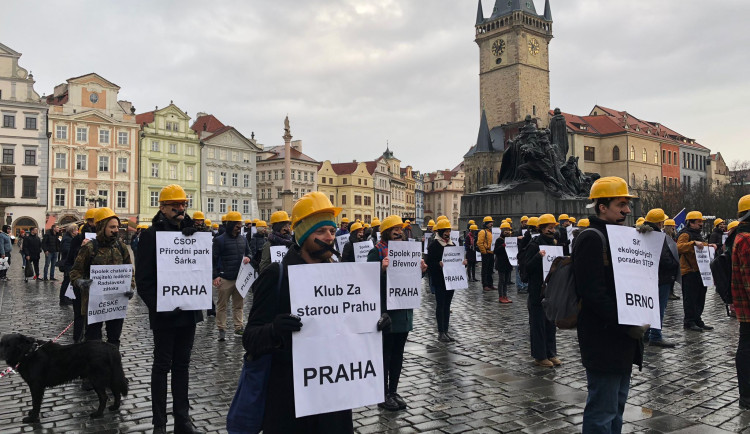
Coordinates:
(520, 285)
(605, 402)
(50, 259)
(664, 290)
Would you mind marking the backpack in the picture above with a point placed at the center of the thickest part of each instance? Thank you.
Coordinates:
(721, 268)
(560, 299)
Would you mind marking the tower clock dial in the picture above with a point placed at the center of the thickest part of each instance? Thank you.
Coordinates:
(498, 47)
(533, 47)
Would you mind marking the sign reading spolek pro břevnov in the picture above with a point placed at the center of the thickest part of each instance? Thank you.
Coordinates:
(278, 253)
(703, 257)
(183, 276)
(361, 250)
(635, 262)
(337, 356)
(454, 272)
(106, 295)
(404, 275)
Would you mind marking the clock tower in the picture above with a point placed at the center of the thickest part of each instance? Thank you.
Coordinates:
(514, 62)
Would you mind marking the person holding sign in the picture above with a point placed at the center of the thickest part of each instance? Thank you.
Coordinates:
(270, 324)
(75, 246)
(356, 235)
(230, 250)
(738, 248)
(470, 245)
(281, 235)
(693, 289)
(174, 332)
(484, 242)
(106, 249)
(608, 350)
(374, 230)
(402, 320)
(543, 338)
(562, 233)
(717, 235)
(434, 261)
(502, 263)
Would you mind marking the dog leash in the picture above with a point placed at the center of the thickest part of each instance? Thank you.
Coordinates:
(10, 371)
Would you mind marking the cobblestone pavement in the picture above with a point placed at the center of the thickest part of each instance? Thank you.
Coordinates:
(483, 383)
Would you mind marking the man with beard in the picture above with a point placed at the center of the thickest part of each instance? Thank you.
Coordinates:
(717, 235)
(281, 235)
(174, 332)
(356, 235)
(271, 324)
(230, 251)
(105, 249)
(693, 289)
(199, 221)
(343, 227)
(543, 338)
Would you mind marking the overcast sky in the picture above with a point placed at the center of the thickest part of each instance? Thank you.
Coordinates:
(353, 74)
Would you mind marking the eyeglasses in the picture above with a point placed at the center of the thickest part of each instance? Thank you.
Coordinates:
(183, 204)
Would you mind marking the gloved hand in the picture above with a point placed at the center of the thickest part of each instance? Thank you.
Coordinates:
(285, 322)
(188, 231)
(177, 309)
(129, 294)
(384, 323)
(637, 332)
(84, 284)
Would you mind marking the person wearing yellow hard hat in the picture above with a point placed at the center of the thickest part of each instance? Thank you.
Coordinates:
(207, 225)
(502, 263)
(256, 241)
(280, 236)
(532, 224)
(215, 227)
(408, 234)
(375, 230)
(669, 272)
(717, 234)
(583, 223)
(543, 339)
(523, 240)
(434, 260)
(563, 239)
(343, 227)
(199, 220)
(608, 351)
(484, 243)
(693, 289)
(738, 249)
(174, 332)
(402, 320)
(470, 246)
(639, 221)
(79, 321)
(356, 235)
(230, 251)
(670, 228)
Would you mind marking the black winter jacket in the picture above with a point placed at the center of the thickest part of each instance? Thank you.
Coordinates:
(50, 242)
(562, 240)
(533, 262)
(502, 263)
(669, 266)
(65, 244)
(257, 241)
(145, 277)
(716, 237)
(605, 345)
(228, 253)
(32, 246)
(434, 256)
(75, 246)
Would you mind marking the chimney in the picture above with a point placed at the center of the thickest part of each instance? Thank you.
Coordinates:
(297, 144)
(201, 114)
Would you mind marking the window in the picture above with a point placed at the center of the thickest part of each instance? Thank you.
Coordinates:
(29, 157)
(235, 156)
(344, 181)
(223, 178)
(343, 199)
(664, 182)
(276, 174)
(245, 157)
(368, 200)
(28, 189)
(189, 200)
(105, 197)
(122, 138)
(632, 152)
(61, 132)
(223, 206)
(154, 146)
(222, 154)
(154, 198)
(80, 196)
(103, 136)
(278, 192)
(246, 180)
(669, 158)
(122, 199)
(245, 206)
(9, 121)
(235, 204)
(154, 170)
(644, 156)
(172, 171)
(81, 162)
(103, 164)
(7, 156)
(210, 204)
(61, 160)
(210, 177)
(235, 180)
(59, 197)
(173, 148)
(122, 165)
(675, 159)
(589, 153)
(190, 173)
(262, 176)
(331, 198)
(190, 150)
(82, 135)
(656, 157)
(7, 187)
(359, 181)
(664, 156)
(296, 193)
(357, 199)
(173, 126)
(210, 152)
(30, 123)
(306, 176)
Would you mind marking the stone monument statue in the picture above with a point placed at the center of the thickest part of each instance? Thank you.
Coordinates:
(559, 132)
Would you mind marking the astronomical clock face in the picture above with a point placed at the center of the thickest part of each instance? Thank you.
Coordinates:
(498, 47)
(533, 47)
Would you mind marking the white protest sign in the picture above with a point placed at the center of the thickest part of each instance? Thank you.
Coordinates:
(337, 356)
(184, 268)
(412, 239)
(552, 252)
(245, 278)
(454, 272)
(495, 236)
(107, 298)
(455, 235)
(89, 235)
(361, 250)
(243, 231)
(69, 292)
(569, 229)
(426, 242)
(523, 232)
(511, 248)
(479, 256)
(377, 236)
(403, 275)
(635, 261)
(253, 230)
(278, 253)
(703, 258)
(341, 241)
(724, 238)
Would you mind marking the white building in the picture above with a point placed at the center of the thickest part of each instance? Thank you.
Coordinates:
(23, 137)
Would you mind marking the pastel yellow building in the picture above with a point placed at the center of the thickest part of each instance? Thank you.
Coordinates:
(349, 186)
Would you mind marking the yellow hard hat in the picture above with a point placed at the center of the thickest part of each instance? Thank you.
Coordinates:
(694, 215)
(234, 216)
(355, 226)
(215, 226)
(279, 217)
(207, 222)
(224, 218)
(391, 221)
(442, 224)
(248, 221)
(367, 225)
(669, 222)
(407, 222)
(344, 220)
(524, 218)
(103, 214)
(431, 223)
(656, 215)
(732, 225)
(312, 203)
(583, 223)
(533, 221)
(376, 221)
(546, 219)
(609, 187)
(744, 204)
(198, 216)
(90, 213)
(473, 228)
(717, 222)
(472, 222)
(172, 193)
(442, 217)
(505, 225)
(261, 224)
(640, 221)
(487, 219)
(563, 217)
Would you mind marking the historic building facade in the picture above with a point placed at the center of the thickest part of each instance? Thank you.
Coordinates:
(443, 190)
(228, 169)
(23, 138)
(380, 172)
(410, 211)
(349, 186)
(169, 154)
(718, 172)
(93, 150)
(419, 198)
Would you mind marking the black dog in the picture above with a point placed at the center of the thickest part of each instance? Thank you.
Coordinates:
(46, 364)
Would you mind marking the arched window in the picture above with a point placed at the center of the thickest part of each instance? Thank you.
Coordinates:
(633, 181)
(632, 152)
(644, 156)
(656, 157)
(615, 153)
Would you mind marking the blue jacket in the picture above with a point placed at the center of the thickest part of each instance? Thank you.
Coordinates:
(6, 247)
(228, 253)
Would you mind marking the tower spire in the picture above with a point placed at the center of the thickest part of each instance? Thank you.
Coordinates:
(484, 141)
(480, 14)
(547, 11)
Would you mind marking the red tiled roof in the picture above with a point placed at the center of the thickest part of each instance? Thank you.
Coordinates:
(62, 99)
(211, 122)
(144, 118)
(344, 168)
(279, 154)
(371, 166)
